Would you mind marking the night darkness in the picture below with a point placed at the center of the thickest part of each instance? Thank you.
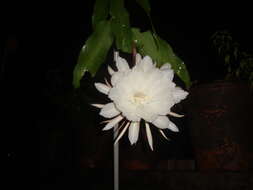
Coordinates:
(51, 125)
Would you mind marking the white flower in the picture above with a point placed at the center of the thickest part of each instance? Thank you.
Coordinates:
(142, 92)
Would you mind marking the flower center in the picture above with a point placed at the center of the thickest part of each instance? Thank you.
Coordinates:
(139, 98)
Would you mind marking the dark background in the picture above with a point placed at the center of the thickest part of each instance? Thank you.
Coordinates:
(47, 122)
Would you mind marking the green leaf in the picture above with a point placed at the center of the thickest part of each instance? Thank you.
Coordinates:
(145, 43)
(100, 12)
(145, 5)
(121, 26)
(118, 12)
(161, 52)
(123, 36)
(94, 52)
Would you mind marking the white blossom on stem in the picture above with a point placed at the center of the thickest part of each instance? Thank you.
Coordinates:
(141, 92)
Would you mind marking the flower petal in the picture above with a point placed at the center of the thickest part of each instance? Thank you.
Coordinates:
(102, 88)
(173, 127)
(116, 55)
(122, 133)
(145, 64)
(163, 134)
(138, 58)
(116, 77)
(179, 94)
(107, 83)
(122, 64)
(149, 135)
(168, 73)
(110, 70)
(147, 60)
(117, 129)
(165, 66)
(98, 105)
(112, 123)
(133, 132)
(175, 114)
(109, 110)
(161, 122)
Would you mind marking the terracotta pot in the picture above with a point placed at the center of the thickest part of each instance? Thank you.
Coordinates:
(220, 121)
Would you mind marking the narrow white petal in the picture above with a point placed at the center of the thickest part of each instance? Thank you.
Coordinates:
(102, 88)
(173, 127)
(161, 122)
(118, 128)
(175, 114)
(109, 110)
(116, 55)
(149, 135)
(122, 64)
(107, 83)
(122, 133)
(98, 105)
(133, 132)
(110, 70)
(163, 134)
(112, 123)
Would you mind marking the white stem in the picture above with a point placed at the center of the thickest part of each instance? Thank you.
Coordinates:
(116, 159)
